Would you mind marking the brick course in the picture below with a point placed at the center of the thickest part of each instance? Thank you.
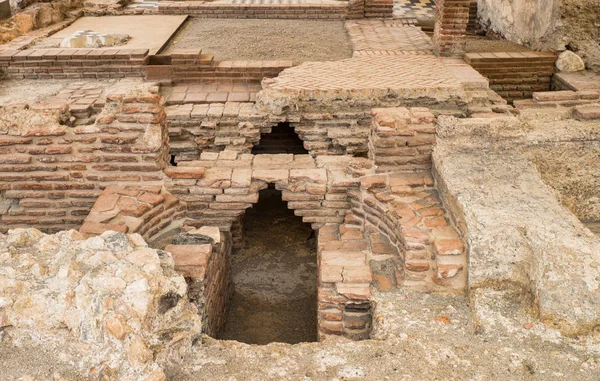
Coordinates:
(73, 63)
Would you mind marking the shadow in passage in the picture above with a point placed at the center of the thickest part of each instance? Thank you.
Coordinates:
(274, 276)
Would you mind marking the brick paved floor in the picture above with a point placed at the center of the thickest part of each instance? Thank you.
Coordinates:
(205, 93)
(387, 35)
(368, 72)
(414, 8)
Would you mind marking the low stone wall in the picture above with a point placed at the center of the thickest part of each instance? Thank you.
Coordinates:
(73, 63)
(515, 75)
(51, 174)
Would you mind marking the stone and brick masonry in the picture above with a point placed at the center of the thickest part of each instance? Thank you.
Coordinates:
(51, 174)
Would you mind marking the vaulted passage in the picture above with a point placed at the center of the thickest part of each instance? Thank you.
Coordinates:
(274, 276)
(281, 139)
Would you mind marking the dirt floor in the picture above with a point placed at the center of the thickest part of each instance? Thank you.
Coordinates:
(296, 40)
(479, 44)
(275, 280)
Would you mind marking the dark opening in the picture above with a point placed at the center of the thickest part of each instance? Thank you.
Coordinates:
(282, 139)
(274, 277)
(173, 162)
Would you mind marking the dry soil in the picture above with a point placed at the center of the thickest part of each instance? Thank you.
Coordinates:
(296, 40)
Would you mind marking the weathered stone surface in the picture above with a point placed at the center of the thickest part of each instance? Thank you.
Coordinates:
(520, 236)
(569, 62)
(106, 294)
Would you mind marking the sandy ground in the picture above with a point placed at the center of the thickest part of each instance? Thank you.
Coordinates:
(297, 40)
(275, 282)
(478, 44)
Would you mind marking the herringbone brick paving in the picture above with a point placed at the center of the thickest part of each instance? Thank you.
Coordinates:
(387, 35)
(368, 72)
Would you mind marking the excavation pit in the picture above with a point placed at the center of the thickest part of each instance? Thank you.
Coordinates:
(274, 277)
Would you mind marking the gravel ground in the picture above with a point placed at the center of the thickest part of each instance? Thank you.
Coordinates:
(296, 40)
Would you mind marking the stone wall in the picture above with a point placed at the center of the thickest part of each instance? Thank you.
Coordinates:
(51, 173)
(34, 16)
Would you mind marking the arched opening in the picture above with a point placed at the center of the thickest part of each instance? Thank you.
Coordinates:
(281, 139)
(274, 276)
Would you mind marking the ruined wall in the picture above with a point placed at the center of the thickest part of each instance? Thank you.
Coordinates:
(34, 17)
(51, 173)
(202, 256)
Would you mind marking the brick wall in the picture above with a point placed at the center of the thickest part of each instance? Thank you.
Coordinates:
(73, 63)
(146, 210)
(214, 127)
(515, 75)
(344, 292)
(449, 33)
(219, 187)
(401, 138)
(51, 174)
(237, 126)
(412, 238)
(379, 8)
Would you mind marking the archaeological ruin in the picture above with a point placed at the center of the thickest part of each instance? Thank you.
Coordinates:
(299, 190)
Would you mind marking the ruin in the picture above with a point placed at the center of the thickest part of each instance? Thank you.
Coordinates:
(299, 189)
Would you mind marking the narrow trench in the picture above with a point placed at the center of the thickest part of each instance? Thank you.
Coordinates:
(274, 277)
(281, 139)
